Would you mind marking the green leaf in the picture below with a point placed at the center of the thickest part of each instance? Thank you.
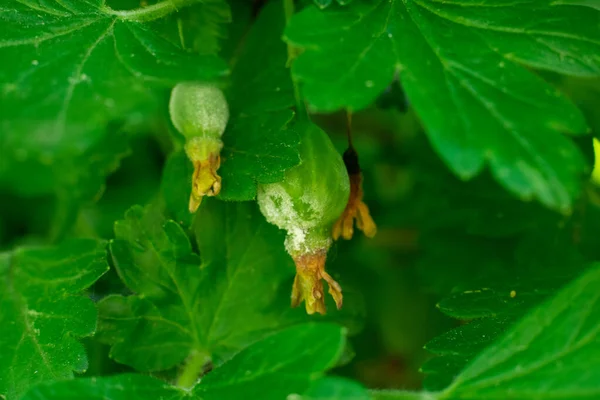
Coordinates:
(43, 314)
(499, 300)
(498, 296)
(463, 67)
(117, 387)
(335, 388)
(184, 306)
(279, 365)
(455, 348)
(76, 65)
(175, 187)
(260, 81)
(271, 369)
(552, 353)
(200, 28)
(257, 147)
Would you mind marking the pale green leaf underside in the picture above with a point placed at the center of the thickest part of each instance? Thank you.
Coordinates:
(461, 66)
(335, 388)
(401, 395)
(42, 315)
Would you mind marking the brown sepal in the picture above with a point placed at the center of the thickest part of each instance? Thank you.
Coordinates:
(205, 181)
(308, 285)
(357, 210)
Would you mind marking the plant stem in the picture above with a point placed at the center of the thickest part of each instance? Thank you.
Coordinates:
(193, 369)
(152, 12)
(349, 128)
(288, 8)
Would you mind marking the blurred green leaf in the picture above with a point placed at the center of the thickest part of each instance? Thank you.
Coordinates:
(462, 67)
(335, 388)
(43, 315)
(401, 395)
(322, 3)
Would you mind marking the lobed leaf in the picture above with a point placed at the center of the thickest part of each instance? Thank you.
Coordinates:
(116, 387)
(464, 69)
(76, 65)
(184, 305)
(285, 362)
(43, 315)
(282, 362)
(77, 71)
(552, 353)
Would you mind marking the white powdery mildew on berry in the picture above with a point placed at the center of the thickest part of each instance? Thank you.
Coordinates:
(278, 208)
(295, 240)
(315, 203)
(276, 205)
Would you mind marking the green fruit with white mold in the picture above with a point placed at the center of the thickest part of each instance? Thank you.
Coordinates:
(199, 111)
(306, 204)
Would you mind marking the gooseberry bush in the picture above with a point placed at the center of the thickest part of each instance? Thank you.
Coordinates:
(279, 199)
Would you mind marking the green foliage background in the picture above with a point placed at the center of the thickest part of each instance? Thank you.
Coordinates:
(473, 121)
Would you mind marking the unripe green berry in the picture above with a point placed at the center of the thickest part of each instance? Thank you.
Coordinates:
(200, 113)
(198, 110)
(306, 204)
(312, 195)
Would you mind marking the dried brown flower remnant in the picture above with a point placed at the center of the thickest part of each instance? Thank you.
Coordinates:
(355, 209)
(205, 180)
(308, 285)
